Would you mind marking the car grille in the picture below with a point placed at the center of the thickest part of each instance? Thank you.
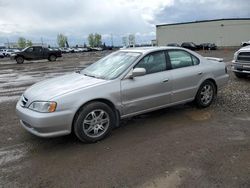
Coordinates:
(24, 101)
(244, 56)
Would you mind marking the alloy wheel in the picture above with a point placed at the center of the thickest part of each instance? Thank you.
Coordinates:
(96, 123)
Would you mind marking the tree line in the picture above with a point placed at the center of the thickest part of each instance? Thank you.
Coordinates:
(94, 40)
(22, 42)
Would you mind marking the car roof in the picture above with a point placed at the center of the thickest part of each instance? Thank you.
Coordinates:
(145, 50)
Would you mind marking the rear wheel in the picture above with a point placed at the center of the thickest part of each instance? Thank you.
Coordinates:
(52, 58)
(19, 60)
(240, 75)
(205, 94)
(93, 122)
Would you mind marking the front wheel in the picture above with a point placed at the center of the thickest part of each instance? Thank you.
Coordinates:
(205, 94)
(19, 60)
(93, 122)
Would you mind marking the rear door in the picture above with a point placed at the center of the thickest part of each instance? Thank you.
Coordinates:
(151, 90)
(186, 74)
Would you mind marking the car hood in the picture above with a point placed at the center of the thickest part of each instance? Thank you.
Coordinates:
(244, 49)
(51, 88)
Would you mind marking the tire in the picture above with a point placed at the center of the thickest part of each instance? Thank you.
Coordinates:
(93, 122)
(205, 94)
(19, 59)
(52, 58)
(240, 75)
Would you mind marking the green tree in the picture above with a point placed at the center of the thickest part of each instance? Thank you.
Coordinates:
(61, 40)
(98, 40)
(21, 42)
(95, 40)
(91, 39)
(29, 43)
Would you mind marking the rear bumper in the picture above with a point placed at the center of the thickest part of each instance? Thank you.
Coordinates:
(44, 124)
(222, 80)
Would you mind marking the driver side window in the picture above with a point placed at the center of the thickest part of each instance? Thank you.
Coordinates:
(152, 63)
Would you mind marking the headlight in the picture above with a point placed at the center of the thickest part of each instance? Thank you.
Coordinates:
(40, 106)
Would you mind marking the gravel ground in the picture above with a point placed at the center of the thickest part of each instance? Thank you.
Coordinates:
(235, 97)
(181, 146)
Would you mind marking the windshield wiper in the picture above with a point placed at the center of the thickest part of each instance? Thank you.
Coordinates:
(93, 76)
(89, 75)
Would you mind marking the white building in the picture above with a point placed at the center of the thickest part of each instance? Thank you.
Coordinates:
(222, 32)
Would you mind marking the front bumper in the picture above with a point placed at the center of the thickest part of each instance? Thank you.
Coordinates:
(243, 68)
(45, 124)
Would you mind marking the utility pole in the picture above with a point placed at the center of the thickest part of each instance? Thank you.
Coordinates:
(112, 40)
(8, 43)
(42, 40)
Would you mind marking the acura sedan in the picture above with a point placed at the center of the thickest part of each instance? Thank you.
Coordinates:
(125, 83)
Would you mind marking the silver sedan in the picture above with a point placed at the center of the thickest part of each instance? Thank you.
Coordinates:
(123, 84)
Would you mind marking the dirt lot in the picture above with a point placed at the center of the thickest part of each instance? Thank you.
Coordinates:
(180, 146)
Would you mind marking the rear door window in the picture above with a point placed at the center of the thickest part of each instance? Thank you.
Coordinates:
(180, 58)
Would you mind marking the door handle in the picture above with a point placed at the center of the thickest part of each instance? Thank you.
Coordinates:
(166, 80)
(200, 73)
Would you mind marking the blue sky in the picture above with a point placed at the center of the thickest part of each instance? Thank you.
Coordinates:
(36, 19)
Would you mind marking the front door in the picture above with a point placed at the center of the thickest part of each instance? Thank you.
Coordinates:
(149, 91)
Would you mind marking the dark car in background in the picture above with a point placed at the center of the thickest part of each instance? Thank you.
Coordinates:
(190, 46)
(173, 44)
(36, 53)
(208, 46)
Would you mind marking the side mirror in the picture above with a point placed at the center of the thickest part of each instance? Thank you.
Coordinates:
(138, 72)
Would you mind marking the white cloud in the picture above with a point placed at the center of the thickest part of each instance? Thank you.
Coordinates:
(77, 18)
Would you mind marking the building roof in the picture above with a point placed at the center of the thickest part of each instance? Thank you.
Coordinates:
(201, 21)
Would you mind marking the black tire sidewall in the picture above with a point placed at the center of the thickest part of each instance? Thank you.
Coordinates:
(198, 101)
(83, 112)
(19, 57)
(52, 58)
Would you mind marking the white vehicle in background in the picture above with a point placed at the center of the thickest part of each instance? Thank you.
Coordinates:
(65, 50)
(241, 62)
(1, 54)
(96, 49)
(83, 49)
(245, 43)
(77, 50)
(8, 52)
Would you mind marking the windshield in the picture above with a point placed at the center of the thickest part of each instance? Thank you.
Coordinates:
(25, 48)
(111, 66)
